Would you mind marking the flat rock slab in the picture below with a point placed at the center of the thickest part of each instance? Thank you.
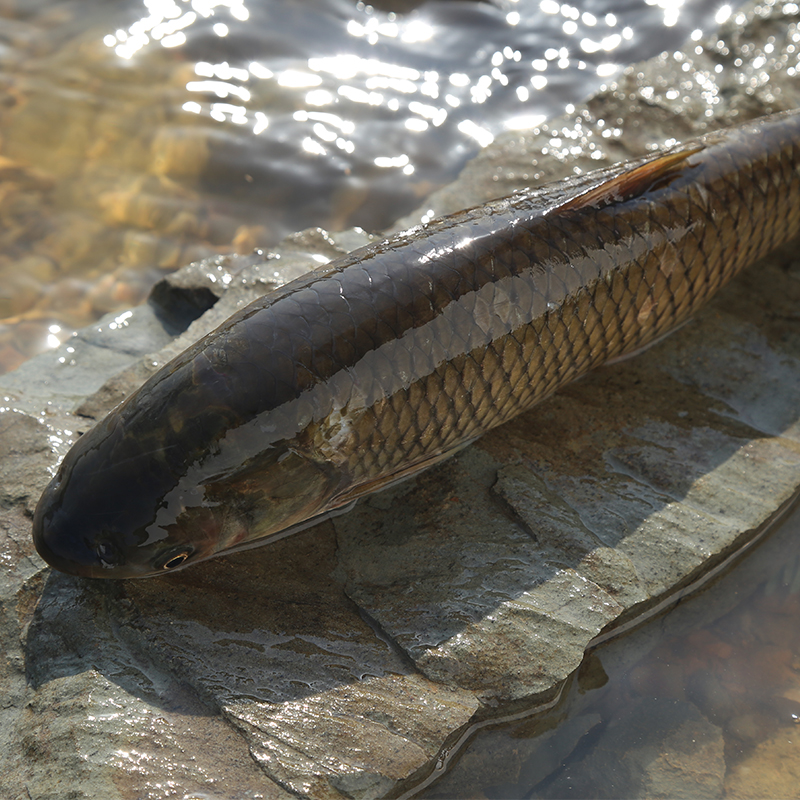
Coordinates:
(338, 663)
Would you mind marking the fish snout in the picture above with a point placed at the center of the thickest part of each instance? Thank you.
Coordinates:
(60, 540)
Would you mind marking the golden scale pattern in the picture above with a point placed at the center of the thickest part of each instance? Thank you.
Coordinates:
(671, 255)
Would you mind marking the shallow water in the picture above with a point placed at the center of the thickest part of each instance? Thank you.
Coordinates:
(703, 701)
(136, 137)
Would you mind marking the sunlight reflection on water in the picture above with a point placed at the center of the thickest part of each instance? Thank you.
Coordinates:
(508, 52)
(145, 135)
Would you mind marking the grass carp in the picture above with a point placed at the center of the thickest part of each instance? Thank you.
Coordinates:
(388, 360)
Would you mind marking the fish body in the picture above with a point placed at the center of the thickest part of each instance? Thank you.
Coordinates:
(390, 359)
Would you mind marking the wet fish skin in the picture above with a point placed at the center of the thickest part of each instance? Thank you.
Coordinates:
(390, 359)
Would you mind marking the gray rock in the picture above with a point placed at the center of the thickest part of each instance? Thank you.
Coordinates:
(339, 662)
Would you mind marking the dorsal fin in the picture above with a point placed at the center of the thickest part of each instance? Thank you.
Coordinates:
(631, 183)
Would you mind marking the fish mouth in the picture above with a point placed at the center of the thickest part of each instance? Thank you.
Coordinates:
(67, 549)
(49, 547)
(54, 555)
(74, 554)
(103, 560)
(81, 562)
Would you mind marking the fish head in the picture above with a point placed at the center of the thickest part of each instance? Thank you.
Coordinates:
(123, 505)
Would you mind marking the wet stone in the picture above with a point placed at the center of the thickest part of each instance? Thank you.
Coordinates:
(23, 443)
(179, 152)
(292, 660)
(562, 535)
(770, 769)
(522, 610)
(709, 694)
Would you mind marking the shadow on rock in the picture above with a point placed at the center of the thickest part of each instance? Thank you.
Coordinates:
(81, 625)
(271, 626)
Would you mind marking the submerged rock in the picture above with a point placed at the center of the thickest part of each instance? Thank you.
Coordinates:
(341, 661)
(657, 749)
(771, 769)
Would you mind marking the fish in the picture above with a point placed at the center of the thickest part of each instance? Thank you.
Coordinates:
(388, 360)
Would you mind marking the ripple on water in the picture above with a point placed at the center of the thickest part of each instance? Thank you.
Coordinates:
(143, 136)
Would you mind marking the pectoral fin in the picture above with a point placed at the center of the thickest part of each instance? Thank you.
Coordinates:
(385, 481)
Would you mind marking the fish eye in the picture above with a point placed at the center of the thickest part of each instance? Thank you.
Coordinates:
(174, 558)
(176, 561)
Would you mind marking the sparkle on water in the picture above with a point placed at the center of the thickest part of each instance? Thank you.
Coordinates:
(419, 98)
(332, 115)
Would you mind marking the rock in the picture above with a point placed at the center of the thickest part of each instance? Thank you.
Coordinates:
(508, 632)
(657, 749)
(342, 661)
(771, 769)
(306, 683)
(178, 152)
(708, 693)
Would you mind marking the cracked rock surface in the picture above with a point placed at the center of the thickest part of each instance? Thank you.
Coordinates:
(337, 663)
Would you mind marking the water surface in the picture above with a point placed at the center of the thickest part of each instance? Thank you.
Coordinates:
(703, 701)
(138, 136)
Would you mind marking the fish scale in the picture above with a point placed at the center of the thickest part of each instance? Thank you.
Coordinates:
(384, 362)
(570, 336)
